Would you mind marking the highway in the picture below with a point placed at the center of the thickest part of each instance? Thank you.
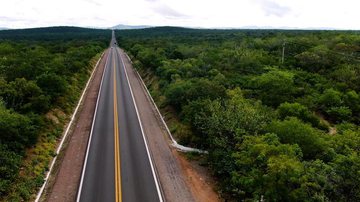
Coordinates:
(117, 165)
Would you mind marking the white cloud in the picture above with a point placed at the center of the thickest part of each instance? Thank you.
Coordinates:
(195, 13)
(273, 8)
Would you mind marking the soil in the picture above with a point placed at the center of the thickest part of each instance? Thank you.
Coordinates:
(332, 131)
(199, 179)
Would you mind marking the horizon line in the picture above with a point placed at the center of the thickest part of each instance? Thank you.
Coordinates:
(191, 27)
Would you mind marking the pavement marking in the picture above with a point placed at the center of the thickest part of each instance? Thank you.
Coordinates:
(65, 134)
(157, 184)
(118, 193)
(91, 133)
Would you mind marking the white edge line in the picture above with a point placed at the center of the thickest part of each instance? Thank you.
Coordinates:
(174, 142)
(142, 132)
(91, 132)
(38, 196)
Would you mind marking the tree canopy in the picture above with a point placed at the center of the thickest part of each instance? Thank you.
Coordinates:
(40, 70)
(277, 131)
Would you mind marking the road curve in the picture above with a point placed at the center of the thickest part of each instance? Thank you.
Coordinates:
(117, 165)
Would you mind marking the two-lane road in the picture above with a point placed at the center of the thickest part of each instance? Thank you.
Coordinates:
(117, 165)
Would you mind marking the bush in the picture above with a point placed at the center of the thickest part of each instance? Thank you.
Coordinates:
(339, 114)
(52, 84)
(265, 167)
(16, 131)
(275, 87)
(180, 93)
(9, 167)
(294, 131)
(299, 111)
(330, 98)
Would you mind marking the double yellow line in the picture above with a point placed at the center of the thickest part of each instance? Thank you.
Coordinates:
(118, 194)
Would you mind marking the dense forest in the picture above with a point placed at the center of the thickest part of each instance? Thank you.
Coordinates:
(42, 73)
(277, 110)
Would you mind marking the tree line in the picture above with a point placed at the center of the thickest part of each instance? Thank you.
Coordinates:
(40, 70)
(277, 131)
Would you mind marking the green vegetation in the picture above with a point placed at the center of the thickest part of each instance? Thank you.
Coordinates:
(42, 73)
(278, 131)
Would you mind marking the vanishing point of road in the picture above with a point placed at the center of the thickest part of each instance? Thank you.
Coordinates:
(118, 165)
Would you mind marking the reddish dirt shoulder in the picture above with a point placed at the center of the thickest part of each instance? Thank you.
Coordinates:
(199, 179)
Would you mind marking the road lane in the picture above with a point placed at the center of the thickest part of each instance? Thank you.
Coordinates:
(174, 182)
(118, 193)
(117, 167)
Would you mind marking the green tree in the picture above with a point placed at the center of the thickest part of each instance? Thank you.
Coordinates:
(339, 114)
(274, 87)
(294, 131)
(332, 102)
(151, 58)
(181, 93)
(9, 168)
(16, 131)
(318, 183)
(221, 123)
(318, 59)
(265, 167)
(352, 101)
(347, 74)
(52, 84)
(299, 111)
(347, 168)
(25, 96)
(330, 98)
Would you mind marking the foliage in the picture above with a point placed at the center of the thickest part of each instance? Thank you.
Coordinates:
(9, 167)
(223, 122)
(259, 118)
(17, 131)
(299, 111)
(294, 131)
(274, 87)
(40, 70)
(181, 93)
(264, 166)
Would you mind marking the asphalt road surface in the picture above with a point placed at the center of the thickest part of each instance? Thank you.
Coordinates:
(117, 165)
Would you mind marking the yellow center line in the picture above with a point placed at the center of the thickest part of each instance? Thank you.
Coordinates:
(118, 193)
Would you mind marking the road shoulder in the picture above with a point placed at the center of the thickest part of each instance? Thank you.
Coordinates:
(64, 180)
(175, 173)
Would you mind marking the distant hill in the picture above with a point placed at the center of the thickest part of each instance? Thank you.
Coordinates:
(51, 33)
(3, 28)
(125, 27)
(120, 26)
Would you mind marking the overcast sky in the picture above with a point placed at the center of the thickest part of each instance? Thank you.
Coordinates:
(338, 14)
